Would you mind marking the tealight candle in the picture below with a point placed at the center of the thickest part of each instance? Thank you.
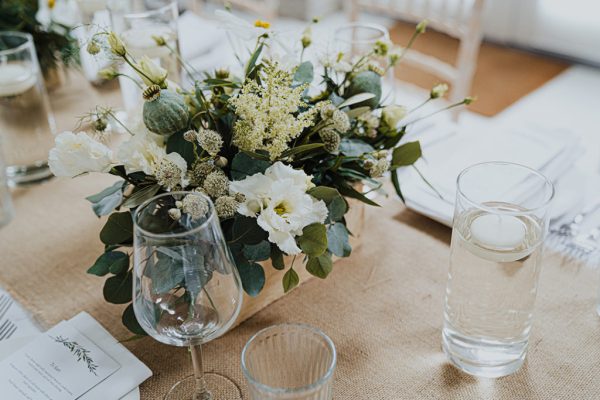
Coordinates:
(498, 231)
(15, 79)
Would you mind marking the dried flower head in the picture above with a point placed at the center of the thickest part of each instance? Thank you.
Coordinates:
(331, 139)
(200, 171)
(93, 48)
(341, 122)
(226, 206)
(210, 141)
(381, 48)
(380, 167)
(170, 172)
(195, 206)
(216, 184)
(190, 136)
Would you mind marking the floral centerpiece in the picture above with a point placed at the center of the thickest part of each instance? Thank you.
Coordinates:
(277, 150)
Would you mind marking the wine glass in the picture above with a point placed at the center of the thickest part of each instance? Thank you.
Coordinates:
(186, 288)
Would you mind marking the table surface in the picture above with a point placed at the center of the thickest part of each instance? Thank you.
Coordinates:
(382, 307)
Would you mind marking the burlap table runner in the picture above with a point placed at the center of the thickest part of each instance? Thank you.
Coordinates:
(382, 307)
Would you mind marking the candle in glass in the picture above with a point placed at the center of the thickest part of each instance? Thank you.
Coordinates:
(26, 123)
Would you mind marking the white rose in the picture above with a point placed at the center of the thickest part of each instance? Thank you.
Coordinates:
(75, 154)
(141, 153)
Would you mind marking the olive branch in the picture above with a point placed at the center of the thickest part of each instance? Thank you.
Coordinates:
(78, 351)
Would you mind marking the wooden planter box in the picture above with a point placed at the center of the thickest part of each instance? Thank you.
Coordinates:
(273, 290)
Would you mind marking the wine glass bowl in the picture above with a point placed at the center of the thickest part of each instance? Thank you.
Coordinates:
(186, 288)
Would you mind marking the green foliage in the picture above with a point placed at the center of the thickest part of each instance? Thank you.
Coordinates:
(407, 154)
(244, 165)
(177, 144)
(107, 200)
(365, 82)
(320, 266)
(166, 114)
(141, 195)
(290, 280)
(277, 257)
(131, 322)
(118, 229)
(247, 231)
(253, 277)
(313, 241)
(336, 205)
(117, 289)
(355, 147)
(257, 252)
(338, 240)
(304, 73)
(115, 262)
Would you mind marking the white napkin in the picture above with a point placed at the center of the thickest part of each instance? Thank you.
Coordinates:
(550, 152)
(198, 36)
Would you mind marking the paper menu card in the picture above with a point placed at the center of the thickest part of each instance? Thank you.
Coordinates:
(61, 364)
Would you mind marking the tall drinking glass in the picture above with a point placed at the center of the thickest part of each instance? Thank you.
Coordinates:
(289, 362)
(26, 122)
(500, 222)
(357, 39)
(186, 288)
(136, 22)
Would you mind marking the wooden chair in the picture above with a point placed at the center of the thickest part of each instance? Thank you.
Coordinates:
(460, 19)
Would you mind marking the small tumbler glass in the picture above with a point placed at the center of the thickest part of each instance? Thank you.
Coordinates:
(289, 361)
(26, 122)
(6, 206)
(500, 222)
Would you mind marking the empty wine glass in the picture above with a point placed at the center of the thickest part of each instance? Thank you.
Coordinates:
(186, 288)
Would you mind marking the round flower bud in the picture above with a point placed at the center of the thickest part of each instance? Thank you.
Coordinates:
(422, 26)
(200, 171)
(368, 163)
(210, 141)
(438, 90)
(327, 111)
(100, 125)
(379, 168)
(195, 206)
(392, 115)
(306, 37)
(116, 44)
(175, 214)
(178, 204)
(381, 48)
(341, 122)
(159, 40)
(93, 48)
(221, 162)
(222, 73)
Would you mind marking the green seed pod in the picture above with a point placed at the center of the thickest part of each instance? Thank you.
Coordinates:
(165, 111)
(365, 82)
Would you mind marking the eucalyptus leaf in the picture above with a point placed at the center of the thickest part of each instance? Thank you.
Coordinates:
(337, 209)
(250, 66)
(141, 196)
(118, 229)
(115, 262)
(356, 112)
(247, 231)
(325, 193)
(277, 257)
(257, 252)
(320, 266)
(396, 184)
(407, 154)
(355, 147)
(349, 191)
(118, 288)
(253, 278)
(107, 200)
(304, 73)
(338, 240)
(166, 274)
(313, 241)
(302, 149)
(290, 280)
(243, 165)
(130, 321)
(357, 98)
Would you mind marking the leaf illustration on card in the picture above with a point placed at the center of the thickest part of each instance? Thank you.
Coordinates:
(82, 354)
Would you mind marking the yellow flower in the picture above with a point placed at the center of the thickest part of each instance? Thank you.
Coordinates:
(51, 3)
(262, 24)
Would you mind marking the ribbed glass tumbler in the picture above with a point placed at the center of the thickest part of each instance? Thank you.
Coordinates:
(289, 361)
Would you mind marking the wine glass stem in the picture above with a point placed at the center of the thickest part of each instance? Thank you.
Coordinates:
(201, 392)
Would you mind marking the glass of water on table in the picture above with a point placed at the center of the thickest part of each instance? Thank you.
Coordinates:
(500, 222)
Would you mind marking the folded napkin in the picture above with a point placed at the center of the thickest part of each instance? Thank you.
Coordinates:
(550, 152)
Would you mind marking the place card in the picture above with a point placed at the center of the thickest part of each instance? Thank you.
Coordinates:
(61, 364)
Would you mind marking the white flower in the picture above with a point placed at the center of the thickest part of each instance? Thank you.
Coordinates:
(238, 26)
(151, 73)
(75, 154)
(142, 152)
(279, 201)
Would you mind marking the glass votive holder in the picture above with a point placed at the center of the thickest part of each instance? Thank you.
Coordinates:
(357, 40)
(26, 122)
(138, 23)
(289, 361)
(6, 206)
